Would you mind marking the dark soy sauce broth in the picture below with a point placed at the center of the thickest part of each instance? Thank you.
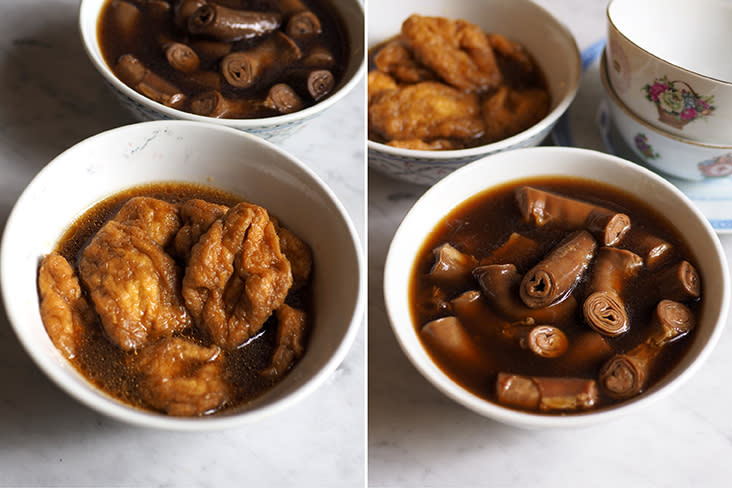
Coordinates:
(484, 222)
(103, 363)
(146, 47)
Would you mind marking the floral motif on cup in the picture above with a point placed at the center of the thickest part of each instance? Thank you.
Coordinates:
(619, 68)
(718, 167)
(641, 143)
(677, 103)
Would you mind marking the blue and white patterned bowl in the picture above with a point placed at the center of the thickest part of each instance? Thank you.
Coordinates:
(276, 128)
(546, 38)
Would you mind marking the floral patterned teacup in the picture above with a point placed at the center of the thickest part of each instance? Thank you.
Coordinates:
(663, 66)
(665, 152)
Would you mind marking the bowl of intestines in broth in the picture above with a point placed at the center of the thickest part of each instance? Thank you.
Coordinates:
(182, 285)
(553, 287)
(265, 67)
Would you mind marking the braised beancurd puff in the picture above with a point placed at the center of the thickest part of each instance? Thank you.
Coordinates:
(179, 299)
(445, 84)
(538, 295)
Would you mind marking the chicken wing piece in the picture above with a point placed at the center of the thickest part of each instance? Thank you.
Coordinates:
(291, 327)
(64, 311)
(133, 283)
(508, 112)
(181, 377)
(379, 82)
(458, 51)
(427, 110)
(395, 59)
(197, 216)
(237, 276)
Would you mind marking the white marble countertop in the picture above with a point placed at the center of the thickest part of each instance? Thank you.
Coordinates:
(417, 437)
(51, 98)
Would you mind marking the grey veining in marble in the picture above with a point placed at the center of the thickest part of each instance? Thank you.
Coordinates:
(51, 98)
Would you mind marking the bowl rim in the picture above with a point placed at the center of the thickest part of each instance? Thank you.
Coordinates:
(614, 99)
(404, 329)
(616, 29)
(91, 44)
(101, 402)
(512, 141)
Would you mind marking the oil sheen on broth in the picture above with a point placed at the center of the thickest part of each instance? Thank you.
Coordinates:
(145, 38)
(103, 363)
(481, 225)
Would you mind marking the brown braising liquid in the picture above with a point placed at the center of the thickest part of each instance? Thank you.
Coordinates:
(103, 363)
(146, 47)
(483, 223)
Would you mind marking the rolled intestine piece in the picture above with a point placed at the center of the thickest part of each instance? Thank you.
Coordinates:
(319, 57)
(158, 11)
(210, 50)
(625, 375)
(545, 393)
(680, 282)
(205, 80)
(448, 337)
(518, 250)
(500, 285)
(543, 340)
(542, 208)
(183, 10)
(671, 321)
(136, 75)
(605, 312)
(587, 350)
(559, 272)
(317, 83)
(227, 24)
(126, 17)
(242, 69)
(282, 98)
(451, 265)
(214, 104)
(603, 308)
(654, 250)
(301, 22)
(181, 57)
(473, 311)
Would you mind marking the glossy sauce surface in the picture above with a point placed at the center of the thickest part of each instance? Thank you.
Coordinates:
(103, 363)
(482, 224)
(146, 46)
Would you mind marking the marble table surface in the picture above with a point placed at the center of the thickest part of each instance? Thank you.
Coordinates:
(417, 437)
(50, 99)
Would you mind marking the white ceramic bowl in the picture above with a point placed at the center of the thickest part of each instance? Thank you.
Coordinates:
(181, 151)
(669, 64)
(275, 128)
(545, 37)
(510, 166)
(664, 151)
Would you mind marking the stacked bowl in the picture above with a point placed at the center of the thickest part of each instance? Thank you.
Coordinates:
(669, 90)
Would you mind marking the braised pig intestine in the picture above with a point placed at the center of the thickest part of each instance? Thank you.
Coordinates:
(228, 59)
(525, 305)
